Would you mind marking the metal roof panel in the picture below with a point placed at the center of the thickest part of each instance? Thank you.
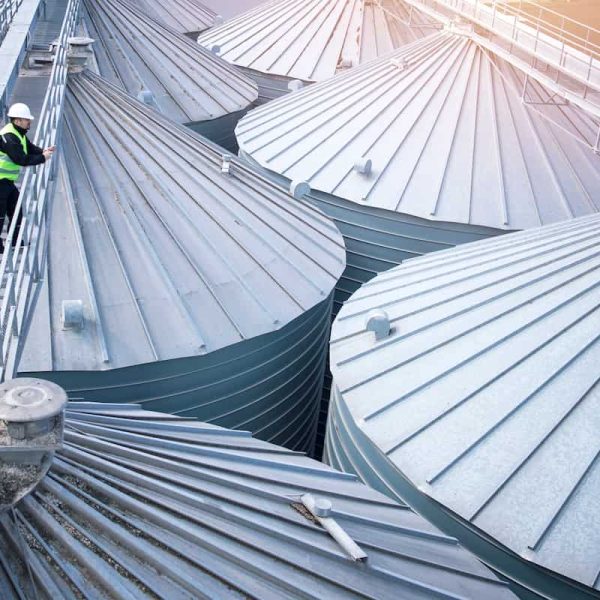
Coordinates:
(185, 16)
(139, 53)
(140, 505)
(485, 395)
(447, 134)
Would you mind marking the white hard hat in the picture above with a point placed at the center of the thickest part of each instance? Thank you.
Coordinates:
(20, 111)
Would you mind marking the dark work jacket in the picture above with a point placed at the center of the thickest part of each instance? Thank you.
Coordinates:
(10, 144)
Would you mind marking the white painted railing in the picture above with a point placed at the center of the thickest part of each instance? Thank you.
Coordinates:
(8, 9)
(24, 255)
(561, 52)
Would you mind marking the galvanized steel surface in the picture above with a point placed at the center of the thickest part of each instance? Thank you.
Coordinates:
(312, 40)
(202, 293)
(377, 240)
(170, 256)
(231, 8)
(437, 130)
(270, 385)
(140, 54)
(185, 16)
(484, 397)
(142, 505)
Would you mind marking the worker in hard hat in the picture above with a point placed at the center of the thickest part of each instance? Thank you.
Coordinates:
(16, 151)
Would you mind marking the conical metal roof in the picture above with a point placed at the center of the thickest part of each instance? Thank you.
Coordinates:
(186, 82)
(231, 8)
(185, 16)
(138, 505)
(481, 404)
(437, 130)
(170, 256)
(312, 40)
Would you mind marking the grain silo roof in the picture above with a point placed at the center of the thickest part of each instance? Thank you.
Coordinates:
(140, 504)
(311, 40)
(170, 256)
(139, 53)
(447, 135)
(185, 16)
(485, 394)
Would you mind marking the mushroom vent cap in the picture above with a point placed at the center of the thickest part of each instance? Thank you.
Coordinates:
(31, 430)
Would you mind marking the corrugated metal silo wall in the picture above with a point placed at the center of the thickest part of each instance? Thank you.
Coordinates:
(221, 130)
(270, 87)
(270, 385)
(377, 240)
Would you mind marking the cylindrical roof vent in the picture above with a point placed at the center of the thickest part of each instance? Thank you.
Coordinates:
(31, 429)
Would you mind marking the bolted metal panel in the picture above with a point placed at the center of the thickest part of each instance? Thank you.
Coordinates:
(184, 16)
(448, 136)
(164, 68)
(480, 407)
(142, 505)
(174, 258)
(312, 40)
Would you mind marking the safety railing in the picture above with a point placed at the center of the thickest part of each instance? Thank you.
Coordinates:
(8, 9)
(25, 251)
(526, 28)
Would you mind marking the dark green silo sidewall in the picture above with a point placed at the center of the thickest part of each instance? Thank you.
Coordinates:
(221, 130)
(270, 86)
(269, 385)
(377, 240)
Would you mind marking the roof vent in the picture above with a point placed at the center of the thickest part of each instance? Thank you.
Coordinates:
(378, 322)
(81, 43)
(320, 509)
(400, 63)
(31, 430)
(226, 164)
(72, 314)
(215, 49)
(80, 50)
(218, 20)
(299, 189)
(147, 97)
(363, 166)
(295, 85)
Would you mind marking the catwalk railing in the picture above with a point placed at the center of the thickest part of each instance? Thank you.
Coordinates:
(8, 9)
(25, 250)
(563, 54)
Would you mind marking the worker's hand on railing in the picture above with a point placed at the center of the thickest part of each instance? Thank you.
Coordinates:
(48, 152)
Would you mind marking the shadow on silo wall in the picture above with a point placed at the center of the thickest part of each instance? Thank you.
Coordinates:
(270, 385)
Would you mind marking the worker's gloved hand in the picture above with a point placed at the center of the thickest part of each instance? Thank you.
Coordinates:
(48, 152)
